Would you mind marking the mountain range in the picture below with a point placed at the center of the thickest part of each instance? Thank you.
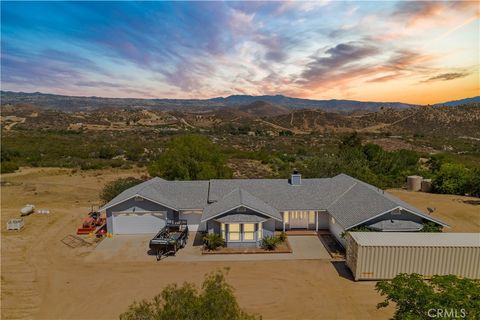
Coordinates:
(251, 104)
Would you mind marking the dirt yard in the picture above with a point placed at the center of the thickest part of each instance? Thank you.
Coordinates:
(44, 279)
(461, 213)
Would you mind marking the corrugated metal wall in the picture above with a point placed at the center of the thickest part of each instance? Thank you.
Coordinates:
(385, 262)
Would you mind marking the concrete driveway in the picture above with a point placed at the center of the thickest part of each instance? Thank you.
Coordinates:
(135, 248)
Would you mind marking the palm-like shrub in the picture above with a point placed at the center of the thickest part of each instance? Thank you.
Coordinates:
(213, 241)
(270, 243)
(282, 237)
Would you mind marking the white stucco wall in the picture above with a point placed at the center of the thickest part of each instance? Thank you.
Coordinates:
(336, 230)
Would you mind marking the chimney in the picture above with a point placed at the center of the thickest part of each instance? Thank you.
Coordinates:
(296, 178)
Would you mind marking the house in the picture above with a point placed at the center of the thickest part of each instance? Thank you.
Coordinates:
(244, 211)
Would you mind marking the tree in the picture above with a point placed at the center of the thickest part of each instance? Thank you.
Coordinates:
(415, 298)
(451, 178)
(114, 188)
(215, 302)
(191, 157)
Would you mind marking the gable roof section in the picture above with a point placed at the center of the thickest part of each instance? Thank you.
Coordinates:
(173, 194)
(278, 193)
(239, 198)
(361, 202)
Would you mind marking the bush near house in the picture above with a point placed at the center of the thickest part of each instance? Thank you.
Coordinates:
(270, 242)
(431, 227)
(213, 241)
(114, 188)
(416, 298)
(214, 302)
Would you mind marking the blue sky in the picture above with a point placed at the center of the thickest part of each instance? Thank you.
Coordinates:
(418, 52)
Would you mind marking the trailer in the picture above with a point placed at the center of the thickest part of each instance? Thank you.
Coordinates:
(170, 238)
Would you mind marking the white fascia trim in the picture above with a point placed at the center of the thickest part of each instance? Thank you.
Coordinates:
(143, 197)
(426, 217)
(242, 205)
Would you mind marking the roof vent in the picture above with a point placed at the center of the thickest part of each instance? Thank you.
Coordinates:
(296, 178)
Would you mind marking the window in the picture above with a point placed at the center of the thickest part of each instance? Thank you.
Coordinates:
(222, 230)
(260, 230)
(311, 217)
(242, 209)
(137, 198)
(234, 232)
(285, 216)
(249, 231)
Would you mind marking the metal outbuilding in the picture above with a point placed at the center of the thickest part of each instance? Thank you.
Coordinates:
(383, 255)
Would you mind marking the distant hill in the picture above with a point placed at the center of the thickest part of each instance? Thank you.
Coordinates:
(73, 103)
(455, 103)
(297, 103)
(463, 120)
(263, 109)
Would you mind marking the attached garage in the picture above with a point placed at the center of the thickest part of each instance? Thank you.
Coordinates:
(138, 216)
(138, 222)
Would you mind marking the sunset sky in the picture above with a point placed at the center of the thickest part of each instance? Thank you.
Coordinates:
(415, 52)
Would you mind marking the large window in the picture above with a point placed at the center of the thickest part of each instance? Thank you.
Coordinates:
(249, 232)
(285, 216)
(234, 232)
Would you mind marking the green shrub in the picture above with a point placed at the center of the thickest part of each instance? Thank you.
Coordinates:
(191, 157)
(8, 166)
(431, 227)
(270, 242)
(216, 301)
(213, 241)
(282, 237)
(114, 188)
(451, 178)
(414, 297)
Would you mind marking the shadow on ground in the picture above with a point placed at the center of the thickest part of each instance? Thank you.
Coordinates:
(342, 270)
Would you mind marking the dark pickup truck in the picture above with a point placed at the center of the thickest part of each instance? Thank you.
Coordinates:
(171, 238)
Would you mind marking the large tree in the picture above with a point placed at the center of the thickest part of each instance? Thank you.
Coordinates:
(114, 188)
(416, 298)
(191, 157)
(215, 302)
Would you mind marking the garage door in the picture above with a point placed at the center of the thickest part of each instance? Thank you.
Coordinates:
(137, 223)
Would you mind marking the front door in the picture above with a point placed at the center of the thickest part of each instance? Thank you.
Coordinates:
(298, 219)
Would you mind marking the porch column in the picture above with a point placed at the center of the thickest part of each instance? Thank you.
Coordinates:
(316, 221)
(283, 226)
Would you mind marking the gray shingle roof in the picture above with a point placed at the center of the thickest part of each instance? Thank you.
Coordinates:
(348, 200)
(238, 198)
(278, 193)
(239, 217)
(361, 202)
(174, 194)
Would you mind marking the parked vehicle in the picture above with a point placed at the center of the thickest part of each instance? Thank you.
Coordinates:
(170, 238)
